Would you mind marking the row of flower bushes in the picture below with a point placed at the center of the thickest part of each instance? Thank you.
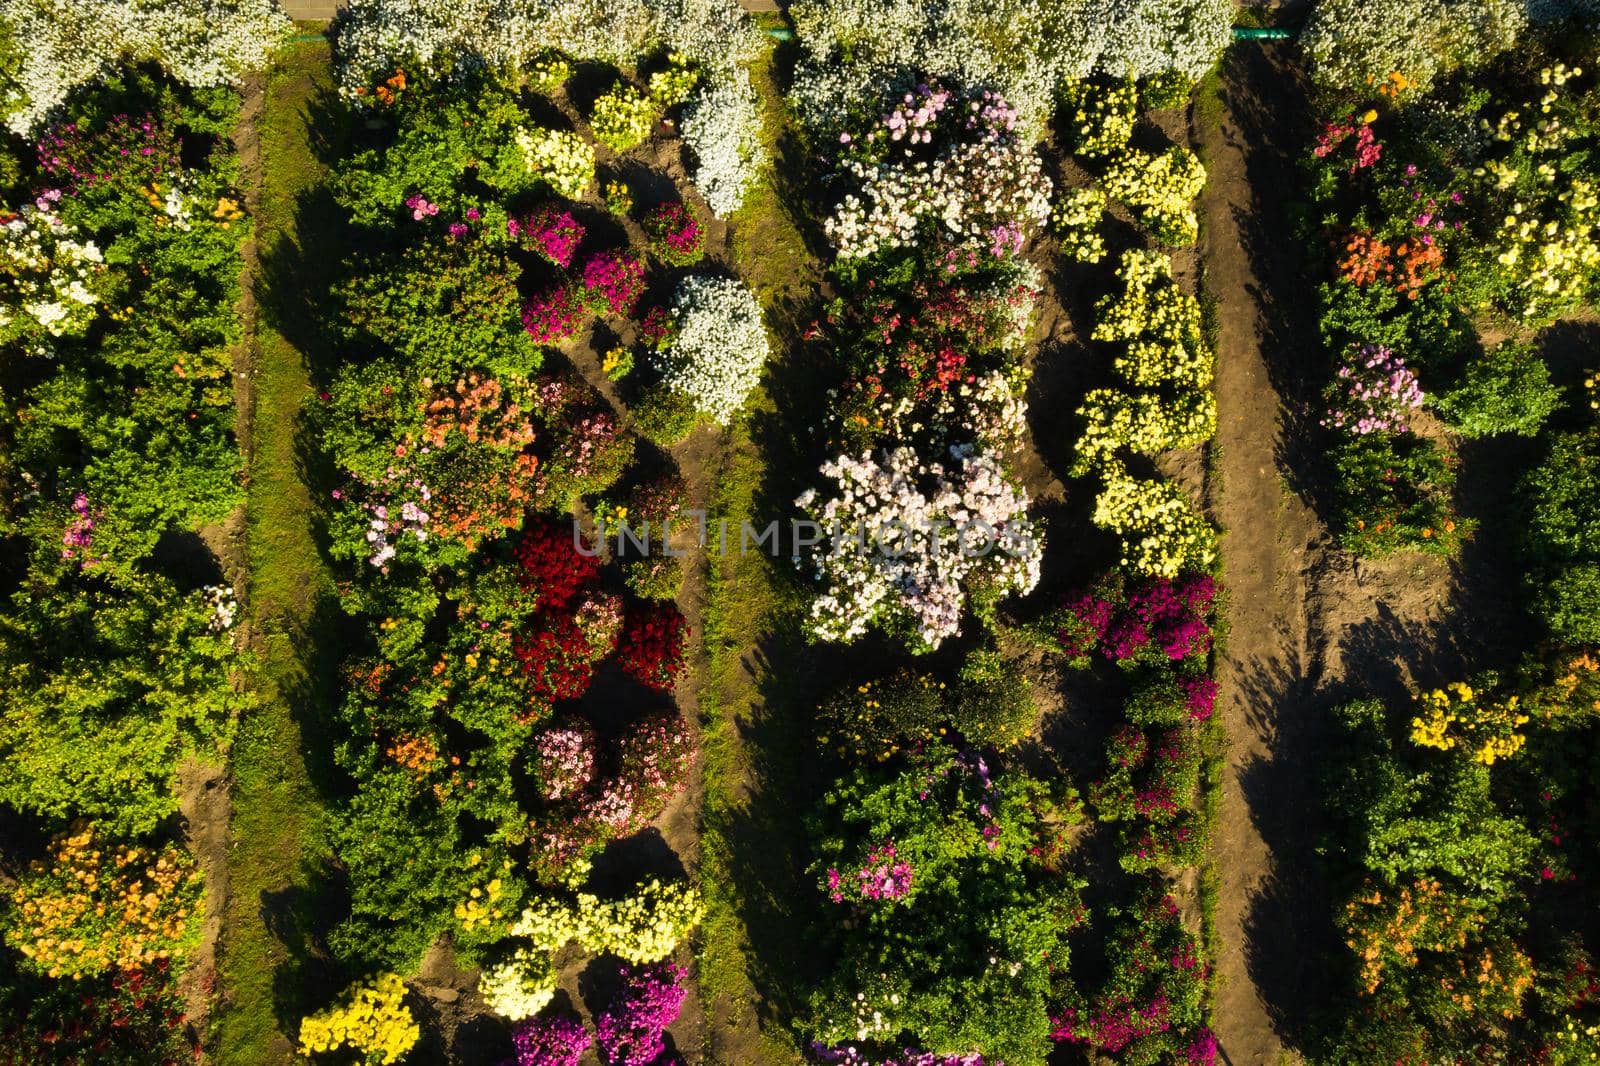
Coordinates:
(467, 443)
(119, 276)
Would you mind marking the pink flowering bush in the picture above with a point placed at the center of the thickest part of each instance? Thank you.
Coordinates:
(1366, 150)
(1151, 1007)
(1157, 621)
(632, 1027)
(551, 232)
(882, 875)
(554, 315)
(1373, 391)
(549, 1040)
(675, 236)
(612, 282)
(564, 760)
(1151, 788)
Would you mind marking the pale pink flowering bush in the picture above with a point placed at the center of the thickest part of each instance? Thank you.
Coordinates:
(564, 761)
(1372, 392)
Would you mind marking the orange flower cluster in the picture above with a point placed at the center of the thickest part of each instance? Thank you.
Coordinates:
(89, 907)
(477, 408)
(388, 92)
(419, 754)
(1491, 984)
(1384, 930)
(469, 509)
(1408, 266)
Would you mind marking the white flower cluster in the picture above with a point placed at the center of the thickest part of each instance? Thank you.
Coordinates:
(224, 607)
(48, 277)
(378, 35)
(68, 43)
(971, 193)
(909, 539)
(722, 131)
(1355, 45)
(1021, 48)
(719, 346)
(519, 987)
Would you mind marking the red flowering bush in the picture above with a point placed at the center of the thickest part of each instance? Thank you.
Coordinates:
(549, 231)
(675, 235)
(121, 1016)
(556, 658)
(651, 649)
(612, 281)
(551, 565)
(554, 315)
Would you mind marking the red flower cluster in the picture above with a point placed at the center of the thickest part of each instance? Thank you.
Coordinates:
(556, 657)
(651, 650)
(552, 567)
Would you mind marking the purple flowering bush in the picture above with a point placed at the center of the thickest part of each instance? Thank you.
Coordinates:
(632, 1027)
(1373, 391)
(1158, 621)
(549, 1040)
(937, 868)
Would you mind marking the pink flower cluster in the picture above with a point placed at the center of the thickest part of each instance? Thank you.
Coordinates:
(1165, 614)
(79, 534)
(421, 207)
(1367, 148)
(549, 1040)
(1199, 696)
(613, 281)
(883, 876)
(1114, 1025)
(551, 232)
(633, 1025)
(564, 761)
(1373, 392)
(554, 315)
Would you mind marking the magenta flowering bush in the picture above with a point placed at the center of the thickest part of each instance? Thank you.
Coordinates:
(1151, 788)
(1373, 391)
(554, 315)
(882, 875)
(1157, 621)
(549, 1040)
(78, 537)
(613, 282)
(551, 232)
(675, 236)
(1151, 1006)
(632, 1027)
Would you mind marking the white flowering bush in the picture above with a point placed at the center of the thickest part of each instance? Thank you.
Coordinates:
(1359, 45)
(1146, 37)
(376, 36)
(559, 158)
(519, 987)
(1160, 189)
(909, 540)
(718, 346)
(67, 43)
(51, 280)
(1162, 534)
(1075, 219)
(722, 132)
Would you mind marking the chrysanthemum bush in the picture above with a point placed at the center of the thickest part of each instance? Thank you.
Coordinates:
(1076, 220)
(53, 281)
(372, 1021)
(1373, 392)
(561, 159)
(1162, 533)
(722, 132)
(622, 117)
(718, 345)
(1160, 189)
(94, 904)
(519, 986)
(908, 541)
(630, 1029)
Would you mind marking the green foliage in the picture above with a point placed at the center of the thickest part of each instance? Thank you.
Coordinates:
(1507, 390)
(1561, 540)
(665, 415)
(1395, 492)
(992, 703)
(921, 961)
(654, 579)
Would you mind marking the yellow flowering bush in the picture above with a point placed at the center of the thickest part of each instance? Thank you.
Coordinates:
(559, 158)
(643, 926)
(1162, 533)
(1456, 716)
(1149, 305)
(372, 1020)
(1160, 189)
(1144, 422)
(1076, 221)
(548, 74)
(549, 923)
(671, 87)
(521, 986)
(487, 903)
(91, 905)
(622, 117)
(1099, 119)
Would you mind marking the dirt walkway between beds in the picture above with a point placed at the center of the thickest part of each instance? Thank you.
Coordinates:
(1308, 625)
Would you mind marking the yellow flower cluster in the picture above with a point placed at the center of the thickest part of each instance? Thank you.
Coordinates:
(1144, 422)
(622, 117)
(644, 926)
(1076, 220)
(372, 1021)
(483, 905)
(546, 76)
(1162, 534)
(671, 87)
(1100, 119)
(90, 906)
(1455, 715)
(549, 923)
(559, 158)
(1160, 189)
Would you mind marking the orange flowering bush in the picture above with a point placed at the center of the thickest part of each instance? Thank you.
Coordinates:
(1386, 928)
(91, 905)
